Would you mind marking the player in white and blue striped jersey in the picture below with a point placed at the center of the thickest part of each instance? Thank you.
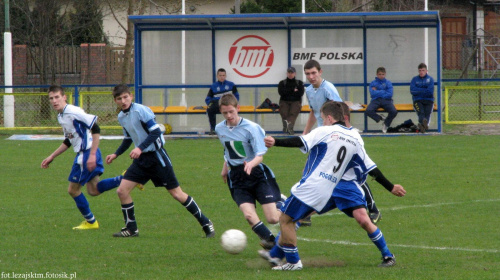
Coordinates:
(150, 162)
(333, 150)
(82, 132)
(249, 179)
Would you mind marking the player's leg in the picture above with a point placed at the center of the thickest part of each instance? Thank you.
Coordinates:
(268, 194)
(370, 203)
(376, 236)
(128, 209)
(258, 227)
(94, 186)
(82, 204)
(193, 208)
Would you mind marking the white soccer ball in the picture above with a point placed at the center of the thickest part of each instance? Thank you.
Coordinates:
(233, 241)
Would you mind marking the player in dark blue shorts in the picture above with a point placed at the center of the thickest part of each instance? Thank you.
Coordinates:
(249, 180)
(150, 162)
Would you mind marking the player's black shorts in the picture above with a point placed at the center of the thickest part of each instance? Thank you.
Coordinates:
(259, 186)
(154, 166)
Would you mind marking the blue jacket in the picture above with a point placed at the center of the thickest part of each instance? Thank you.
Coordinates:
(218, 89)
(422, 88)
(383, 89)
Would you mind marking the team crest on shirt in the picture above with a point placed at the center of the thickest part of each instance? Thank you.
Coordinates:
(334, 137)
(235, 149)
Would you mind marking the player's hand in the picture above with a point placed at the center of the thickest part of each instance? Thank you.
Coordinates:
(224, 176)
(398, 190)
(91, 163)
(135, 153)
(110, 158)
(248, 166)
(46, 162)
(269, 141)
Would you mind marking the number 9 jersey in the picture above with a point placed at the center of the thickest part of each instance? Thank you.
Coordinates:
(332, 149)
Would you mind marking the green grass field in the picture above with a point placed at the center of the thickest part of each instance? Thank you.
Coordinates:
(446, 227)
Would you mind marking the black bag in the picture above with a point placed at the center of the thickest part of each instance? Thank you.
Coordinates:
(267, 104)
(406, 126)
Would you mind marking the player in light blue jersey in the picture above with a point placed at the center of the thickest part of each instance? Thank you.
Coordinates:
(334, 151)
(317, 93)
(150, 162)
(82, 132)
(249, 179)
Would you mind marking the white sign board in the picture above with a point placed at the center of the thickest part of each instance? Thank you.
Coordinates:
(252, 57)
(328, 55)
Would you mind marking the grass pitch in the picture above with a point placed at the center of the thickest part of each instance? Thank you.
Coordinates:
(446, 227)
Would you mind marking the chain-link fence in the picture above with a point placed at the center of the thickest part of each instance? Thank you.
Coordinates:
(32, 110)
(472, 104)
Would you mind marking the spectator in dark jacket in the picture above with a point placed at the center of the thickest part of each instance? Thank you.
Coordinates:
(381, 93)
(291, 91)
(218, 89)
(422, 91)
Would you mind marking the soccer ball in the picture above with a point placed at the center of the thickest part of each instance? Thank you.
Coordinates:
(233, 241)
(165, 128)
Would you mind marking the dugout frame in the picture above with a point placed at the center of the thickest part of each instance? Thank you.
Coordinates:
(362, 24)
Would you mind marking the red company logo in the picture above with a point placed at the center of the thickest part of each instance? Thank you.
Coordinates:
(251, 56)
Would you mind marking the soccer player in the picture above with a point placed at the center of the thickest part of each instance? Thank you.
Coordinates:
(422, 91)
(150, 162)
(249, 180)
(82, 132)
(317, 93)
(333, 150)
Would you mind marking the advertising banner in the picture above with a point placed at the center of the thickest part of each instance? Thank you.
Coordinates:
(328, 55)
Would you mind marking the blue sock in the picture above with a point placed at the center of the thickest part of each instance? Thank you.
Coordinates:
(378, 239)
(291, 253)
(109, 184)
(277, 250)
(83, 206)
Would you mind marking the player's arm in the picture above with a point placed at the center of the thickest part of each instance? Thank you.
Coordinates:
(224, 172)
(127, 141)
(395, 189)
(61, 149)
(292, 142)
(96, 134)
(310, 123)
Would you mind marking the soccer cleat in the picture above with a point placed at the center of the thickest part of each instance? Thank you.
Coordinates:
(388, 261)
(425, 123)
(306, 222)
(125, 232)
(139, 186)
(266, 244)
(384, 128)
(289, 266)
(209, 229)
(375, 217)
(87, 225)
(272, 261)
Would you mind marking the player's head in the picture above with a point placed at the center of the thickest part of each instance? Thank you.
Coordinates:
(57, 97)
(332, 112)
(313, 72)
(228, 105)
(381, 73)
(422, 70)
(122, 96)
(347, 114)
(221, 75)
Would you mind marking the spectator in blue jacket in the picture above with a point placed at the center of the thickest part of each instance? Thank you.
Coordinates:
(381, 93)
(218, 89)
(422, 91)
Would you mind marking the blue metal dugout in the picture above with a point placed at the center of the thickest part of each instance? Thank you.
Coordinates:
(176, 58)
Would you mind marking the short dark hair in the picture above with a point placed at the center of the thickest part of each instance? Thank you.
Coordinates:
(311, 64)
(228, 100)
(120, 89)
(221, 70)
(422, 65)
(334, 109)
(56, 88)
(346, 110)
(380, 69)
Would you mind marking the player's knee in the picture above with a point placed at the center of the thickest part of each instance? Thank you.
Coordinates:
(273, 220)
(93, 192)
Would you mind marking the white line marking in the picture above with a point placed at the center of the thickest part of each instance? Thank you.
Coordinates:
(400, 245)
(419, 206)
